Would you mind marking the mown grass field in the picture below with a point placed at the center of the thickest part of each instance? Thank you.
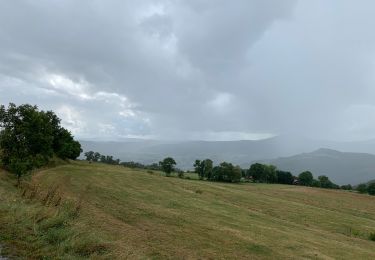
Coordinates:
(82, 210)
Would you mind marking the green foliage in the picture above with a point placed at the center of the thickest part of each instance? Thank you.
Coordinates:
(326, 183)
(19, 166)
(315, 183)
(362, 188)
(255, 171)
(262, 173)
(64, 144)
(284, 177)
(372, 236)
(137, 165)
(69, 150)
(271, 173)
(306, 178)
(226, 172)
(203, 168)
(371, 188)
(346, 187)
(167, 165)
(97, 157)
(29, 138)
(90, 155)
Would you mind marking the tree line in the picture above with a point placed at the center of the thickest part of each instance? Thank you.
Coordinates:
(227, 172)
(30, 138)
(167, 165)
(259, 173)
(92, 156)
(368, 188)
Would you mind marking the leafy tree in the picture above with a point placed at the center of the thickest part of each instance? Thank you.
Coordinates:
(167, 165)
(226, 172)
(103, 159)
(29, 138)
(89, 155)
(306, 178)
(134, 165)
(154, 167)
(203, 168)
(270, 173)
(25, 133)
(315, 183)
(236, 174)
(256, 171)
(371, 188)
(325, 182)
(208, 167)
(199, 168)
(262, 173)
(96, 157)
(64, 145)
(67, 147)
(284, 177)
(362, 188)
(19, 167)
(346, 187)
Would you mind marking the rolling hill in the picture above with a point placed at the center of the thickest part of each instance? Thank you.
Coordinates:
(81, 210)
(340, 167)
(352, 166)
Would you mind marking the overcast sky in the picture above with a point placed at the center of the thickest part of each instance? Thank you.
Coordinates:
(209, 69)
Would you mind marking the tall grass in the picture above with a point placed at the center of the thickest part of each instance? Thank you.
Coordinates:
(37, 224)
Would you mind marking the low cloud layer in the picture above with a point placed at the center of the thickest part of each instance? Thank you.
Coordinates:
(216, 70)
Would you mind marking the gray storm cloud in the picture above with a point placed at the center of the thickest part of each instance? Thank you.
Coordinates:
(194, 69)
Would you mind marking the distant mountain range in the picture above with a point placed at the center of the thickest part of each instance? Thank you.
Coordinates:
(342, 168)
(295, 153)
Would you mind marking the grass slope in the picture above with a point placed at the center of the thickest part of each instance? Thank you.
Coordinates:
(126, 213)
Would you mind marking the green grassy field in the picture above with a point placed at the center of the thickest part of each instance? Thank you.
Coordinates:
(82, 210)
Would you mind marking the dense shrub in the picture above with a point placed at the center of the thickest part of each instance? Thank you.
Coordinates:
(371, 188)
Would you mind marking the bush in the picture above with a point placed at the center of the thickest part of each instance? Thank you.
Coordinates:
(371, 189)
(362, 188)
(372, 236)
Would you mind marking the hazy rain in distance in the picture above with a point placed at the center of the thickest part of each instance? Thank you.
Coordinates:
(213, 70)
